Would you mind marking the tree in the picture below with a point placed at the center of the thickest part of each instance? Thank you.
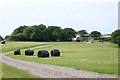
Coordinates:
(28, 32)
(42, 33)
(7, 37)
(118, 40)
(82, 33)
(18, 34)
(57, 34)
(115, 36)
(54, 33)
(19, 30)
(95, 34)
(38, 33)
(68, 34)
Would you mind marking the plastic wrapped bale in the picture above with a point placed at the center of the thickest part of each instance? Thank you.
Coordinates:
(43, 53)
(55, 52)
(17, 52)
(29, 52)
(2, 42)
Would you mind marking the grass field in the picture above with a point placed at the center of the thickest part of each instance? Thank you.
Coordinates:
(12, 72)
(10, 46)
(0, 70)
(99, 57)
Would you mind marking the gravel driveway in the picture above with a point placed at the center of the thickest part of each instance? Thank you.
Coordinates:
(51, 71)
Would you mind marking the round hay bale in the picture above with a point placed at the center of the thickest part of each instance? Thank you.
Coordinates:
(43, 53)
(29, 52)
(17, 52)
(55, 52)
(2, 42)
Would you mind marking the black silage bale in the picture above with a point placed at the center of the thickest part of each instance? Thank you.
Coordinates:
(29, 52)
(43, 53)
(2, 42)
(55, 52)
(17, 52)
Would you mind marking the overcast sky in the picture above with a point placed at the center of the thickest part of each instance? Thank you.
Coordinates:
(100, 15)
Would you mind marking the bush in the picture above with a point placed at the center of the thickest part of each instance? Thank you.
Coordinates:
(107, 38)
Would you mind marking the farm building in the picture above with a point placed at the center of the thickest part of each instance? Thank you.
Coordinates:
(105, 37)
(80, 38)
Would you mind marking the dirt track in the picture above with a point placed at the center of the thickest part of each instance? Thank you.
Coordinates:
(51, 71)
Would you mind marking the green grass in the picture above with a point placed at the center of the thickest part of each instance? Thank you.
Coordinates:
(0, 70)
(10, 45)
(100, 57)
(12, 72)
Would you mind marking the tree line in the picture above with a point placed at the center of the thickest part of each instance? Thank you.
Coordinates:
(54, 33)
(42, 33)
(50, 33)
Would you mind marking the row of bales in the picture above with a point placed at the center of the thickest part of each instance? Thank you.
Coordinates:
(41, 53)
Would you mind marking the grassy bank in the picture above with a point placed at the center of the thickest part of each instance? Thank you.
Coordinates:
(12, 72)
